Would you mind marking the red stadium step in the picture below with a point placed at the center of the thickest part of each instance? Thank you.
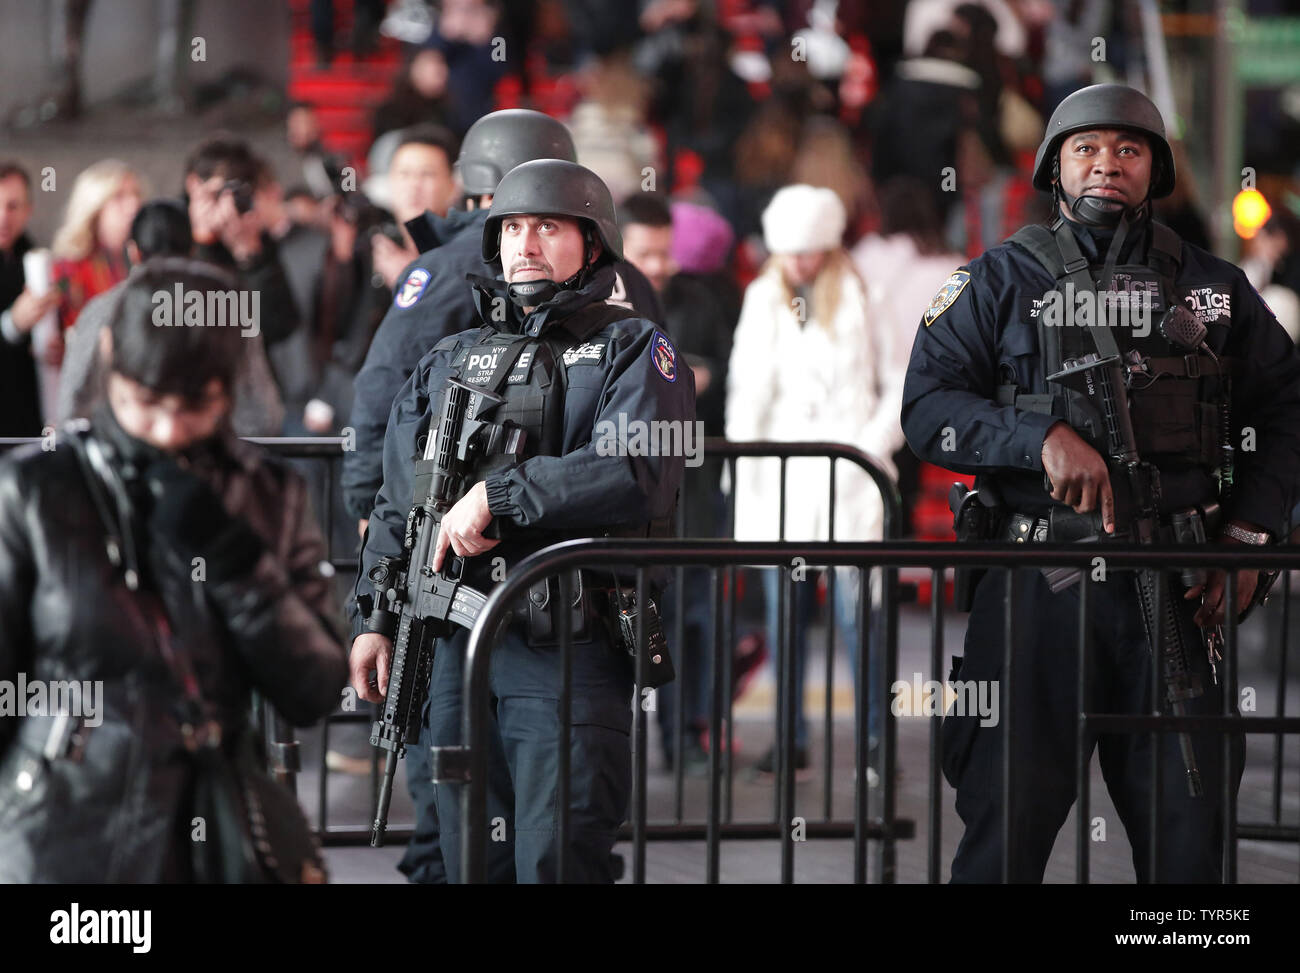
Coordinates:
(344, 93)
(355, 145)
(302, 53)
(344, 118)
(339, 90)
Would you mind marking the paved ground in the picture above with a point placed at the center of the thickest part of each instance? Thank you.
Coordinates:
(831, 860)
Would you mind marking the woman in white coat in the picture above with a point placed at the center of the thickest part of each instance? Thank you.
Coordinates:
(807, 366)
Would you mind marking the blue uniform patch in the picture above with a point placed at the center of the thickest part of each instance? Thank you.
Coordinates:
(948, 293)
(412, 288)
(665, 357)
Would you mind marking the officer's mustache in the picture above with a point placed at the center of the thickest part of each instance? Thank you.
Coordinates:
(530, 265)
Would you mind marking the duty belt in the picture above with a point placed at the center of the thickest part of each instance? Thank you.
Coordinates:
(1061, 525)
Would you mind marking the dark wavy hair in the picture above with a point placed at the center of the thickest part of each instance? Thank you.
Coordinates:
(161, 228)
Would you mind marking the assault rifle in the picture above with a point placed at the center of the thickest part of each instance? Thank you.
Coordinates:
(413, 604)
(1137, 505)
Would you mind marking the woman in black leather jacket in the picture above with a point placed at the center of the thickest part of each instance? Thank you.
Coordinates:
(169, 566)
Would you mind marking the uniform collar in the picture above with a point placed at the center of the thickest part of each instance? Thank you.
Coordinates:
(1094, 241)
(430, 231)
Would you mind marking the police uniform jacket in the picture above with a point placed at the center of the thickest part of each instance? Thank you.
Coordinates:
(618, 379)
(981, 332)
(431, 302)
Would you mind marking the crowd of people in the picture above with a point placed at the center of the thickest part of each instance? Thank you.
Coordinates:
(712, 106)
(793, 184)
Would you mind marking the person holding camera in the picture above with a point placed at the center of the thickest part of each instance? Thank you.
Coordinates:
(420, 180)
(221, 178)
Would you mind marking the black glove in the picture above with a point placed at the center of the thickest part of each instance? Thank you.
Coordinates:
(188, 515)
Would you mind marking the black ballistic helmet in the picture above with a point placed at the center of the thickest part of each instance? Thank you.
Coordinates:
(558, 188)
(501, 140)
(1107, 106)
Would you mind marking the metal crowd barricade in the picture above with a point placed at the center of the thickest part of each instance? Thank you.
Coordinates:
(884, 634)
(725, 555)
(887, 827)
(328, 450)
(471, 758)
(881, 644)
(645, 554)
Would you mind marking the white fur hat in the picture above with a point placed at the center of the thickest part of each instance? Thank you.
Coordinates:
(803, 219)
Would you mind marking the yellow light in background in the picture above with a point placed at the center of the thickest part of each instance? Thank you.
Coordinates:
(1250, 211)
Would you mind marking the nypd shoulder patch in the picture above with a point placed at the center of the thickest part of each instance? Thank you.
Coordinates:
(412, 288)
(948, 293)
(664, 356)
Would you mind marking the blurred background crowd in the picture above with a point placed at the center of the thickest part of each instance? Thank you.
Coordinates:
(298, 147)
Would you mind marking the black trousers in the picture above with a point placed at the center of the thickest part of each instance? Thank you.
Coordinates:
(523, 756)
(1044, 696)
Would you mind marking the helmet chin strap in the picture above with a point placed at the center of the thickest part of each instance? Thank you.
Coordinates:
(1098, 211)
(1102, 212)
(1107, 214)
(531, 293)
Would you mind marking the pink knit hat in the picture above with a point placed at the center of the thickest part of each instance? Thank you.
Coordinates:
(702, 239)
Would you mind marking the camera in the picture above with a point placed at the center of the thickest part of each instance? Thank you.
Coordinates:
(241, 192)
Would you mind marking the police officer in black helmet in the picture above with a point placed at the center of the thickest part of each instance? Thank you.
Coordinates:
(993, 389)
(432, 302)
(573, 363)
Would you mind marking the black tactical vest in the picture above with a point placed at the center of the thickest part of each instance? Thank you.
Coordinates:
(529, 372)
(1177, 397)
